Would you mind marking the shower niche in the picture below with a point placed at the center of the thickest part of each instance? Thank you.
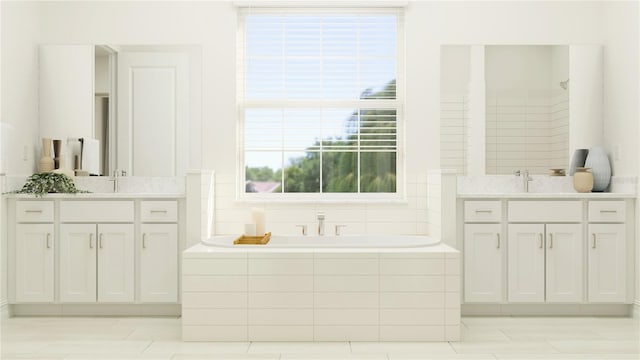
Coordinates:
(515, 107)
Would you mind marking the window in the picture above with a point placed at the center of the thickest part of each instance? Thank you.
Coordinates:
(320, 101)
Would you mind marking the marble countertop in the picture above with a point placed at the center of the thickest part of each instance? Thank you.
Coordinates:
(575, 195)
(100, 196)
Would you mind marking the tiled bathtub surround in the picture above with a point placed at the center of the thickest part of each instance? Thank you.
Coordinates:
(321, 295)
(395, 217)
(505, 184)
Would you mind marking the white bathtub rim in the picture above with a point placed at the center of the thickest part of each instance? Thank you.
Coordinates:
(329, 242)
(200, 250)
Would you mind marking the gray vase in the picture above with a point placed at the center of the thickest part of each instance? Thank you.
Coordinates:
(600, 166)
(578, 160)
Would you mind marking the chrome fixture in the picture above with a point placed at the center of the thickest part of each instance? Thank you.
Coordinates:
(525, 179)
(320, 218)
(564, 84)
(116, 175)
(303, 228)
(338, 227)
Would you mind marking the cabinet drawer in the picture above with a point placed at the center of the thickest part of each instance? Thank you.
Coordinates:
(159, 211)
(34, 211)
(607, 211)
(96, 211)
(482, 211)
(544, 211)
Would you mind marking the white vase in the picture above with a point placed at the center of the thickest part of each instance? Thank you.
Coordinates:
(598, 161)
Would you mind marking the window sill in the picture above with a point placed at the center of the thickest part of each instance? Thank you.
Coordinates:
(305, 199)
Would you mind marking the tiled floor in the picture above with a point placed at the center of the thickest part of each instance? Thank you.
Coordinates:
(482, 338)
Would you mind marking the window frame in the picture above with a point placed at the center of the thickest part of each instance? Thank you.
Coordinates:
(396, 104)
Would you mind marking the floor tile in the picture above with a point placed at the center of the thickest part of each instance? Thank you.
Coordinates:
(179, 347)
(533, 347)
(226, 357)
(597, 347)
(333, 357)
(95, 347)
(441, 357)
(300, 348)
(402, 347)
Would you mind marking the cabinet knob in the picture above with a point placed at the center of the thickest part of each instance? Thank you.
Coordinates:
(550, 240)
(593, 246)
(100, 241)
(144, 241)
(498, 241)
(91, 241)
(48, 240)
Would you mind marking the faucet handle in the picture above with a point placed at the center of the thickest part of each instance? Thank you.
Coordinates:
(304, 229)
(338, 227)
(320, 216)
(516, 172)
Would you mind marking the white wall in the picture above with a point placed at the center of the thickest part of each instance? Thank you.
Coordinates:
(212, 25)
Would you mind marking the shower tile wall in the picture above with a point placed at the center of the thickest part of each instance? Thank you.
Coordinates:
(529, 130)
(453, 132)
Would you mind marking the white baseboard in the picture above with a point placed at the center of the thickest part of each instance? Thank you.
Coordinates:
(96, 310)
(549, 309)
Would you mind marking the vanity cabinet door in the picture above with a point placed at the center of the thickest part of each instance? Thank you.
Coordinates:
(564, 259)
(483, 263)
(115, 263)
(34, 263)
(78, 262)
(526, 263)
(159, 263)
(606, 263)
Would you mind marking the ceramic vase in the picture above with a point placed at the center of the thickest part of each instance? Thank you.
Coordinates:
(46, 162)
(578, 160)
(583, 180)
(57, 148)
(598, 161)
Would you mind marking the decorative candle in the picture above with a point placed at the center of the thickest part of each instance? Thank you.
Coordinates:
(257, 216)
(250, 229)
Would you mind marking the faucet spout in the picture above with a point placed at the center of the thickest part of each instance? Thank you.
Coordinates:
(320, 218)
(525, 181)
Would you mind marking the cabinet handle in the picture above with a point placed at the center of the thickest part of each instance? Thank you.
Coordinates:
(540, 237)
(91, 241)
(484, 211)
(33, 211)
(609, 211)
(100, 241)
(48, 240)
(158, 211)
(498, 242)
(593, 246)
(550, 240)
(144, 241)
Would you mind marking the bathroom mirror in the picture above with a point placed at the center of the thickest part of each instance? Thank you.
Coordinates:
(515, 107)
(136, 100)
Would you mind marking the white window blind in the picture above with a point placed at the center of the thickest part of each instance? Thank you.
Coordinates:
(319, 100)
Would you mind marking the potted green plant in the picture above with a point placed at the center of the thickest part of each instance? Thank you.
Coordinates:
(41, 184)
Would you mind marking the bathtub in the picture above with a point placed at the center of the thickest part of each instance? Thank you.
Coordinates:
(329, 288)
(322, 242)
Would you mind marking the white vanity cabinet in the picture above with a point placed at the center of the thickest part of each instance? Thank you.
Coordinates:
(158, 251)
(545, 263)
(483, 252)
(96, 259)
(606, 260)
(545, 259)
(555, 250)
(34, 252)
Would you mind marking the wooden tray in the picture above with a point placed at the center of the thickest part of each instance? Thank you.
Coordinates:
(252, 240)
